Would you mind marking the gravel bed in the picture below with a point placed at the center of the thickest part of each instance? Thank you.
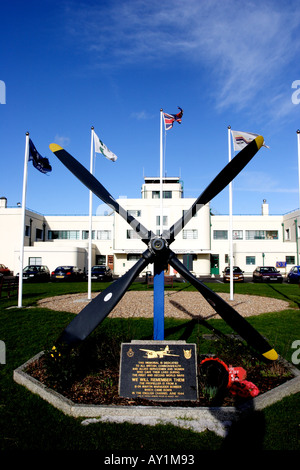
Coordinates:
(178, 304)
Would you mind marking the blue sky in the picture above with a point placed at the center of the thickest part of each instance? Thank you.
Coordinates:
(70, 65)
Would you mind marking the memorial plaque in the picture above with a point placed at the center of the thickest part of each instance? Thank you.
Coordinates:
(158, 370)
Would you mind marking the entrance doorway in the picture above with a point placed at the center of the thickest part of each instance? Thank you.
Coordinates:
(188, 262)
(214, 264)
(110, 261)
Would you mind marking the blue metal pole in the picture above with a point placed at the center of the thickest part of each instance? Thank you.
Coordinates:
(158, 303)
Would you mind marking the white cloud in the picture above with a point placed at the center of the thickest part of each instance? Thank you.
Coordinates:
(141, 115)
(244, 48)
(61, 140)
(260, 181)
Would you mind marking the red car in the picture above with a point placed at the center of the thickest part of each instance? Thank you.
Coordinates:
(266, 274)
(4, 270)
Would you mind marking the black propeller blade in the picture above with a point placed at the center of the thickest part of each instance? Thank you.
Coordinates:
(98, 309)
(98, 189)
(229, 172)
(231, 316)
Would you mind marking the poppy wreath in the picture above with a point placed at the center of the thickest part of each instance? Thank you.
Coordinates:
(236, 384)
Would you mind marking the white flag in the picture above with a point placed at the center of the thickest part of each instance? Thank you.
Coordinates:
(241, 139)
(100, 147)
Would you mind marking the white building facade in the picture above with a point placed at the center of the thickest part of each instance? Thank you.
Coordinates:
(202, 245)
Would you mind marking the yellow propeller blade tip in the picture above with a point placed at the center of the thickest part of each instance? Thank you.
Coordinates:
(259, 141)
(54, 147)
(271, 355)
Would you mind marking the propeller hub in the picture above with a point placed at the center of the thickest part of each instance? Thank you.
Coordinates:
(157, 245)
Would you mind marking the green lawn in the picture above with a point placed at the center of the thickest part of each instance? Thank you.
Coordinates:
(29, 423)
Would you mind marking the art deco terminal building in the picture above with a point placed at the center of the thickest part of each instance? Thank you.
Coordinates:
(203, 245)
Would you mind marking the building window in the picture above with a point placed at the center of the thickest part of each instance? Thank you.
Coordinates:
(227, 259)
(250, 260)
(100, 260)
(220, 235)
(135, 212)
(63, 234)
(271, 234)
(131, 234)
(237, 234)
(34, 261)
(290, 259)
(133, 257)
(27, 231)
(261, 234)
(287, 234)
(85, 234)
(103, 234)
(255, 235)
(38, 234)
(165, 220)
(189, 234)
(166, 194)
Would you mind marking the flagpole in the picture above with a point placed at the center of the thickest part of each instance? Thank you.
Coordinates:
(23, 220)
(298, 138)
(90, 220)
(158, 280)
(161, 171)
(230, 220)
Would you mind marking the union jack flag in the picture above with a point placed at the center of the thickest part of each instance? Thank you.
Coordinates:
(170, 118)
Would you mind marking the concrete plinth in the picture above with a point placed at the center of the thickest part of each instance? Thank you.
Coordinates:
(198, 419)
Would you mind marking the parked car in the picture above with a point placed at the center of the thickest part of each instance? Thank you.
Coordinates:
(238, 274)
(68, 273)
(294, 275)
(4, 270)
(267, 274)
(101, 273)
(39, 273)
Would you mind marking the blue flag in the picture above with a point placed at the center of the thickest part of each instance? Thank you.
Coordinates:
(40, 163)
